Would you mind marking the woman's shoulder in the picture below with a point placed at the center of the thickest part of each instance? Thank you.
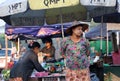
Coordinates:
(29, 53)
(84, 39)
(66, 39)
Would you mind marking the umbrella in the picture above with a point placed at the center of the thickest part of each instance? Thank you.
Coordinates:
(107, 14)
(99, 14)
(108, 18)
(9, 7)
(47, 4)
(75, 13)
(99, 11)
(50, 16)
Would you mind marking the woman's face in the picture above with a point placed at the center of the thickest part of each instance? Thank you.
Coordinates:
(37, 50)
(77, 31)
(47, 44)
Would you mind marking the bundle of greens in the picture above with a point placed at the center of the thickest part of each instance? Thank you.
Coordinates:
(6, 74)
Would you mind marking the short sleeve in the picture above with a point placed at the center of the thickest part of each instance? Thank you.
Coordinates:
(87, 47)
(42, 50)
(63, 47)
(52, 52)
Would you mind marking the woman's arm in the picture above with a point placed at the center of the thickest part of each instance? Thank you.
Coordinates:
(63, 48)
(37, 65)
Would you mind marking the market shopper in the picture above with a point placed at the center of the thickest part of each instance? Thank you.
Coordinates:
(75, 49)
(48, 50)
(24, 67)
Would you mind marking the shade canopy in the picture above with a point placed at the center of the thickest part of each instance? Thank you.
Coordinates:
(27, 32)
(108, 18)
(49, 16)
(106, 14)
(59, 14)
(48, 4)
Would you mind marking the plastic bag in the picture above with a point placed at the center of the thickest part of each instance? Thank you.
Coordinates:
(94, 77)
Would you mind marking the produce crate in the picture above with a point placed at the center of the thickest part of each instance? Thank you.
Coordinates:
(111, 77)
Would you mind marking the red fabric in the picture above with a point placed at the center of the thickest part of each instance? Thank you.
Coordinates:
(10, 65)
(116, 58)
(41, 74)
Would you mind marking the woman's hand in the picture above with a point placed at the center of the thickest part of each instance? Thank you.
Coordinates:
(48, 55)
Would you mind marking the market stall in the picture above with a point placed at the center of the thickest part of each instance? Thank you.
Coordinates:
(55, 68)
(56, 72)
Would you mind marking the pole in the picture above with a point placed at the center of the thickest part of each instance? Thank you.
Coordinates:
(61, 23)
(107, 42)
(12, 44)
(6, 51)
(101, 34)
(117, 37)
(18, 47)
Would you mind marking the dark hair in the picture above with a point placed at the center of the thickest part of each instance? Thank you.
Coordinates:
(48, 40)
(34, 44)
(70, 31)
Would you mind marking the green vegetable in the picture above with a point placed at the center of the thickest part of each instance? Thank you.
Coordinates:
(6, 74)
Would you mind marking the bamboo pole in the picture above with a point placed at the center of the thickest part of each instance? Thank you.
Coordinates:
(61, 18)
(6, 51)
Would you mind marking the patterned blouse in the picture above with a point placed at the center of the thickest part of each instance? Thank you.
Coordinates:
(76, 53)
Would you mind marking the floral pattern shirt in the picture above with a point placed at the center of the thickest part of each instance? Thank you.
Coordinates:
(76, 53)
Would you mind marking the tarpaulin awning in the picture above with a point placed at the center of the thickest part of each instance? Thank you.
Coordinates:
(95, 32)
(104, 27)
(36, 31)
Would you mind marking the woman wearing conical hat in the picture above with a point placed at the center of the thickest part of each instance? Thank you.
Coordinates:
(75, 49)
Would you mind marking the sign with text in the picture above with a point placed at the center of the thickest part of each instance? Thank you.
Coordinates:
(98, 2)
(12, 7)
(45, 4)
